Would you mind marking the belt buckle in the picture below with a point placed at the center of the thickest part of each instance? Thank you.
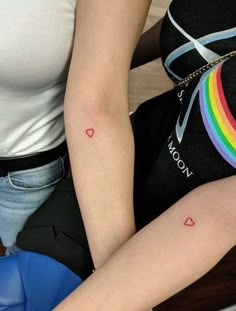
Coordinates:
(3, 173)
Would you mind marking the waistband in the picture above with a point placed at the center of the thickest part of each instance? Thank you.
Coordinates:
(18, 164)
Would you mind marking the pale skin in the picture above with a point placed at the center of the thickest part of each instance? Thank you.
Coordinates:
(97, 99)
(167, 255)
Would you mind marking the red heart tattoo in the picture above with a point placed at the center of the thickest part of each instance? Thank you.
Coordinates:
(189, 222)
(90, 132)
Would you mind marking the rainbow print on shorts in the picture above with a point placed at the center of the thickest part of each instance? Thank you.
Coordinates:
(217, 117)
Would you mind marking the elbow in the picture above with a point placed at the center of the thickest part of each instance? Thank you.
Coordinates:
(92, 104)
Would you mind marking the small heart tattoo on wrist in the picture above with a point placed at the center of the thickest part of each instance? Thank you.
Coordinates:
(90, 132)
(189, 222)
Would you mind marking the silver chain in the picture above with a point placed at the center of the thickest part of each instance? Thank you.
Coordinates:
(199, 71)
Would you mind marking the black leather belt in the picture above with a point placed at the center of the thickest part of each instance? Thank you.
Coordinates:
(18, 164)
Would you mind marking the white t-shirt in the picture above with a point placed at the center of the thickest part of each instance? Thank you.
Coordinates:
(36, 39)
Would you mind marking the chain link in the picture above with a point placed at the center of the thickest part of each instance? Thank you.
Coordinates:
(199, 71)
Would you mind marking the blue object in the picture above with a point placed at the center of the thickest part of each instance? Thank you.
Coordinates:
(34, 282)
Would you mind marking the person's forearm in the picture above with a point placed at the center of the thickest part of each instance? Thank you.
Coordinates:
(102, 156)
(166, 256)
(96, 117)
(148, 47)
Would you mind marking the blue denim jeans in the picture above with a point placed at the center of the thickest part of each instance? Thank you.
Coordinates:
(23, 192)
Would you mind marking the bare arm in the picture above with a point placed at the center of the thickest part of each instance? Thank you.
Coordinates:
(166, 256)
(148, 47)
(96, 116)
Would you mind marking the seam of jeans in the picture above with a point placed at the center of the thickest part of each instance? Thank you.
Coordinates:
(63, 167)
(35, 188)
(11, 183)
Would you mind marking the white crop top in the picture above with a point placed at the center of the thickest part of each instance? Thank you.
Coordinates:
(36, 38)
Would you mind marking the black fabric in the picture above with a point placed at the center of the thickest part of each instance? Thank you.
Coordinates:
(56, 230)
(198, 19)
(181, 167)
(152, 122)
(229, 83)
(32, 161)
